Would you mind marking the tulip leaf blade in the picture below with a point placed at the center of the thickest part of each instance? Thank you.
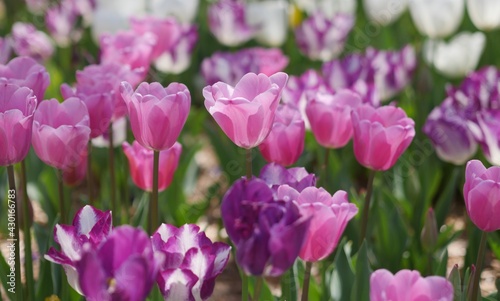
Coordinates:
(341, 279)
(361, 287)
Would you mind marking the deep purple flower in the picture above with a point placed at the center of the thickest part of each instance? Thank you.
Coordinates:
(192, 262)
(322, 38)
(296, 177)
(230, 67)
(123, 267)
(268, 233)
(28, 41)
(90, 226)
(26, 72)
(226, 20)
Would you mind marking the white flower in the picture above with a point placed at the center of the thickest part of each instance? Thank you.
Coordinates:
(328, 7)
(110, 16)
(485, 14)
(270, 17)
(459, 56)
(437, 18)
(384, 12)
(183, 10)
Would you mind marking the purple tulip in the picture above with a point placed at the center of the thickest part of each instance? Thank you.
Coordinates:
(489, 124)
(226, 20)
(28, 41)
(276, 175)
(26, 72)
(230, 67)
(192, 262)
(268, 233)
(123, 267)
(322, 38)
(90, 227)
(17, 106)
(61, 21)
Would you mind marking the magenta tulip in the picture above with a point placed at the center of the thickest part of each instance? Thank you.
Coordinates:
(140, 160)
(26, 72)
(408, 285)
(157, 114)
(329, 217)
(17, 106)
(330, 117)
(61, 132)
(285, 142)
(380, 135)
(482, 195)
(246, 112)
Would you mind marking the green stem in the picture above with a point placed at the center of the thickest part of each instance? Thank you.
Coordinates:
(248, 161)
(154, 196)
(28, 262)
(307, 278)
(257, 289)
(479, 266)
(62, 206)
(366, 206)
(112, 171)
(325, 167)
(244, 286)
(89, 173)
(17, 260)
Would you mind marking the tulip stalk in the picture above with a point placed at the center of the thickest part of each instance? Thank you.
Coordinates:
(13, 200)
(28, 263)
(61, 196)
(307, 278)
(248, 161)
(153, 208)
(257, 289)
(479, 266)
(366, 205)
(89, 173)
(112, 169)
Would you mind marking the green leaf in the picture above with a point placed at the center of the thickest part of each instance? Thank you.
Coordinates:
(454, 278)
(289, 284)
(341, 279)
(361, 288)
(441, 268)
(443, 204)
(5, 270)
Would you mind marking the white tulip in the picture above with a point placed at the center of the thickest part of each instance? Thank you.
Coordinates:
(459, 56)
(437, 18)
(328, 7)
(485, 14)
(271, 19)
(183, 10)
(384, 12)
(110, 16)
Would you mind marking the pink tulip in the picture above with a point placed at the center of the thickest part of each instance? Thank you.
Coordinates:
(329, 217)
(285, 142)
(330, 117)
(166, 31)
(28, 41)
(380, 135)
(26, 72)
(408, 285)
(482, 195)
(61, 132)
(141, 165)
(157, 114)
(178, 58)
(17, 106)
(246, 112)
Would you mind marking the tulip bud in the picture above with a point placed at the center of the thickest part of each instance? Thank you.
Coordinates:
(429, 235)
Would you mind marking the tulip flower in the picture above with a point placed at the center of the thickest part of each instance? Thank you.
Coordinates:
(227, 22)
(270, 18)
(5, 50)
(90, 227)
(449, 133)
(485, 14)
(407, 285)
(384, 12)
(330, 117)
(157, 114)
(323, 38)
(230, 67)
(459, 56)
(329, 217)
(489, 134)
(28, 41)
(119, 128)
(17, 106)
(246, 112)
(276, 175)
(128, 48)
(123, 267)
(111, 16)
(178, 58)
(165, 30)
(75, 175)
(26, 72)
(141, 165)
(380, 135)
(437, 18)
(285, 141)
(61, 132)
(184, 11)
(192, 262)
(329, 7)
(61, 21)
(343, 73)
(268, 234)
